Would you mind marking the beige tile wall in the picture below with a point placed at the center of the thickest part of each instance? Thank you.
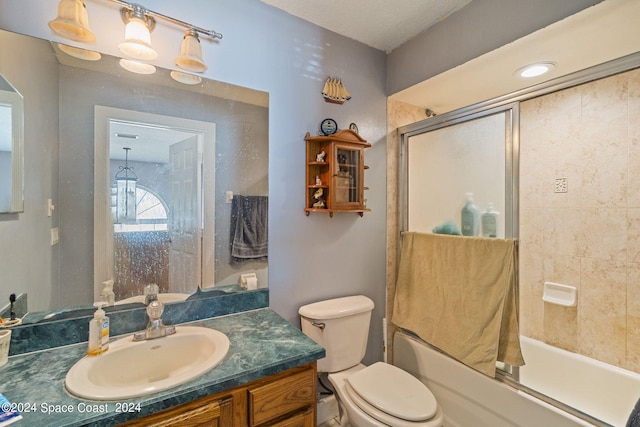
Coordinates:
(588, 237)
(398, 114)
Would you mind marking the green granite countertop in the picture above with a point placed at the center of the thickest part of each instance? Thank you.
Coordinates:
(262, 344)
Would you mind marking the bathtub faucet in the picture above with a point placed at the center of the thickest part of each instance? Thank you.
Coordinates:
(155, 328)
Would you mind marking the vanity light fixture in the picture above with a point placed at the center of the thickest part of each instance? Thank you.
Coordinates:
(126, 180)
(137, 34)
(72, 22)
(190, 58)
(535, 70)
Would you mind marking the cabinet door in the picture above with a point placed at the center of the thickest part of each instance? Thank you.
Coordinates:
(275, 399)
(348, 175)
(210, 414)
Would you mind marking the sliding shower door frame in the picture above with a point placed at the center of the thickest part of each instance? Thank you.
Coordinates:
(510, 104)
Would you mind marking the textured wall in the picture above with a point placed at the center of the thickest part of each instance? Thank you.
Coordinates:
(587, 237)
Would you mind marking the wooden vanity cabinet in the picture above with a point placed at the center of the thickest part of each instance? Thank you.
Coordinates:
(335, 182)
(206, 412)
(287, 399)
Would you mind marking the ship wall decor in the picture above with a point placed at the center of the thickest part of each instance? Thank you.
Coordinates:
(335, 92)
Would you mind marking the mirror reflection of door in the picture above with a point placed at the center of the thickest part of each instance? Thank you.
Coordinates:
(158, 239)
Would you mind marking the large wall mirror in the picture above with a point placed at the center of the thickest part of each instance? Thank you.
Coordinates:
(196, 160)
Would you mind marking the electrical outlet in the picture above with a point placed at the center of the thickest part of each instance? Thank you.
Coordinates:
(561, 185)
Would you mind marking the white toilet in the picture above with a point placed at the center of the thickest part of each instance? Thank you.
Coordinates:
(379, 395)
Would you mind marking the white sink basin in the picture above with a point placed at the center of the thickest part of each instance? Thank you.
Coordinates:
(132, 369)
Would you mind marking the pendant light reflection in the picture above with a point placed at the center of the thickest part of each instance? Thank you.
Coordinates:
(125, 192)
(190, 58)
(137, 34)
(72, 22)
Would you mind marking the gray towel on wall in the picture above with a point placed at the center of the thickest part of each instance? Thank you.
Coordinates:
(249, 227)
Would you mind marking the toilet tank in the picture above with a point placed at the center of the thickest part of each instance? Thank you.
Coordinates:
(341, 326)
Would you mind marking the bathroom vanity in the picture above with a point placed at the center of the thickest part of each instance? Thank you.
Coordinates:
(268, 378)
(285, 399)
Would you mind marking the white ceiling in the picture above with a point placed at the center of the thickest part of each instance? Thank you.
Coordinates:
(604, 32)
(148, 143)
(600, 33)
(382, 24)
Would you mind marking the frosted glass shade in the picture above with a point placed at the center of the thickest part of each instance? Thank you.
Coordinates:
(72, 22)
(188, 79)
(76, 52)
(137, 41)
(190, 58)
(137, 67)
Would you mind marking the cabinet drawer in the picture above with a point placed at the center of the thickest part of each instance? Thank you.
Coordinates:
(277, 398)
(302, 419)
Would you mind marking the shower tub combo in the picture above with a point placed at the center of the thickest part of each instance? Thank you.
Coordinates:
(468, 398)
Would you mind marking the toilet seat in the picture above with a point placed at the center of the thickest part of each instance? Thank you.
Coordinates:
(391, 395)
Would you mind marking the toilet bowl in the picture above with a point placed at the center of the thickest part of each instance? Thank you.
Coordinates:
(384, 395)
(379, 395)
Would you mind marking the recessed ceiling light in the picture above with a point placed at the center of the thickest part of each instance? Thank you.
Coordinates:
(535, 70)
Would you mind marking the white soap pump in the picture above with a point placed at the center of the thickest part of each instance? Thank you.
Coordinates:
(98, 331)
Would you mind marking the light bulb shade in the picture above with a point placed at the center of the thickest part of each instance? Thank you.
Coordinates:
(72, 22)
(190, 58)
(137, 41)
(137, 67)
(76, 52)
(187, 79)
(125, 199)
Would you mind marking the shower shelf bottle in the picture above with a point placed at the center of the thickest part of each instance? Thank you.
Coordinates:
(489, 222)
(469, 217)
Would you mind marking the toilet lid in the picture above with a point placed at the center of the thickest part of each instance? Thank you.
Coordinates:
(394, 391)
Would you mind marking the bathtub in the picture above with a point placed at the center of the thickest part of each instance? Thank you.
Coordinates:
(471, 399)
(603, 391)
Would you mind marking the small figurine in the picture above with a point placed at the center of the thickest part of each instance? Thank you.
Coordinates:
(318, 195)
(320, 157)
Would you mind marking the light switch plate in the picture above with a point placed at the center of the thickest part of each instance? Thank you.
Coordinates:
(54, 236)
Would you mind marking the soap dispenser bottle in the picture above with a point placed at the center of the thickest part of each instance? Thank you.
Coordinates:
(469, 217)
(489, 222)
(98, 332)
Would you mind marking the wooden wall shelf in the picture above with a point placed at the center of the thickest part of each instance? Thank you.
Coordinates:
(341, 174)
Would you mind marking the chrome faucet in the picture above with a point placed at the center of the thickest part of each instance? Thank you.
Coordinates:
(156, 328)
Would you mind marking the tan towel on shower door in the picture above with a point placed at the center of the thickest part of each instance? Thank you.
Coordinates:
(458, 294)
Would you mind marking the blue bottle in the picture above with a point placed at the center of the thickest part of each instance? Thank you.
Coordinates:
(469, 217)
